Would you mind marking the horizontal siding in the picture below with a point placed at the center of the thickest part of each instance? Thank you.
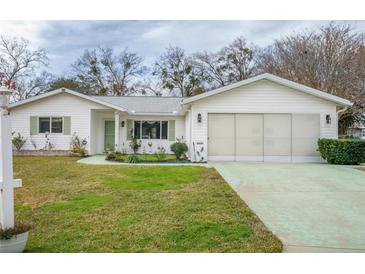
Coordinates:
(262, 97)
(99, 118)
(58, 105)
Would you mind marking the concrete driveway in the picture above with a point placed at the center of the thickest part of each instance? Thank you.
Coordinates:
(310, 207)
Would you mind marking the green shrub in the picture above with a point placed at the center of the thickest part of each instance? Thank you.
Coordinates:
(114, 156)
(342, 151)
(160, 154)
(18, 141)
(179, 148)
(19, 228)
(134, 144)
(132, 158)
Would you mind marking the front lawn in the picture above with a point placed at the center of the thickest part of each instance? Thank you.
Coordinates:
(88, 208)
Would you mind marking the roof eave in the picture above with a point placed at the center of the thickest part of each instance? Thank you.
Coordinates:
(276, 79)
(156, 113)
(65, 90)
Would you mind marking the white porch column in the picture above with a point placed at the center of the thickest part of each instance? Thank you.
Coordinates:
(117, 131)
(7, 183)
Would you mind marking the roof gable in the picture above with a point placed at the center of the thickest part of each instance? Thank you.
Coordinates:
(64, 90)
(275, 79)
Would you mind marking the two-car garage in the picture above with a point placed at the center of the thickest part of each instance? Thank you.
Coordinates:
(261, 119)
(263, 137)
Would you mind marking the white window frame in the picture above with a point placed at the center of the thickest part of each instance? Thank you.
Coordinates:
(50, 124)
(160, 121)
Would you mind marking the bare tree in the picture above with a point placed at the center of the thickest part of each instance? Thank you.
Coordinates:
(231, 64)
(88, 70)
(177, 73)
(150, 87)
(20, 64)
(108, 74)
(32, 86)
(330, 59)
(214, 67)
(239, 58)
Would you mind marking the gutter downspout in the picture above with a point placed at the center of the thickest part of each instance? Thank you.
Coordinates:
(337, 113)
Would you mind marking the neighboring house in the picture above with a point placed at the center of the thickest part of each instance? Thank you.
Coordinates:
(264, 118)
(356, 131)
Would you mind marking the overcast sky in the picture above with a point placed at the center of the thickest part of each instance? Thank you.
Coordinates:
(66, 40)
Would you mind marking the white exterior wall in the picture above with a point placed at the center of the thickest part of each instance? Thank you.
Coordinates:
(58, 105)
(261, 97)
(102, 116)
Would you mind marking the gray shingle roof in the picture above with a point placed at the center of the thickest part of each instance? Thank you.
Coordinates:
(144, 104)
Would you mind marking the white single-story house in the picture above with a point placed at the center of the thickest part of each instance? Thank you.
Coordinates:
(264, 118)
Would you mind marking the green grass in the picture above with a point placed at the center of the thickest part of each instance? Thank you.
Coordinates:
(86, 208)
(153, 158)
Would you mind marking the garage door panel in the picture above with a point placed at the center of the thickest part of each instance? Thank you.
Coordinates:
(221, 135)
(249, 135)
(306, 132)
(277, 135)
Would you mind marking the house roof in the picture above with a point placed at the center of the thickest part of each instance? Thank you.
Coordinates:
(276, 79)
(159, 105)
(131, 104)
(144, 104)
(59, 91)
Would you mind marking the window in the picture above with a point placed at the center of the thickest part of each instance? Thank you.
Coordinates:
(44, 124)
(56, 125)
(150, 129)
(164, 129)
(363, 133)
(50, 124)
(137, 129)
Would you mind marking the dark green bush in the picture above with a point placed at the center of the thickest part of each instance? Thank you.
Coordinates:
(342, 151)
(179, 149)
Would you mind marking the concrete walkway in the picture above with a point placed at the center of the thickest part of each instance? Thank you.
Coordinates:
(310, 207)
(100, 160)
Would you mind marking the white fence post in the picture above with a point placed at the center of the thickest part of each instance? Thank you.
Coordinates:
(7, 183)
(6, 174)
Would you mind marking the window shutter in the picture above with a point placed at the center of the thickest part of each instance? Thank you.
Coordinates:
(171, 130)
(33, 125)
(66, 125)
(129, 129)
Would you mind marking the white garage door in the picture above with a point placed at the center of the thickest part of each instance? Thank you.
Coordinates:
(263, 137)
(222, 136)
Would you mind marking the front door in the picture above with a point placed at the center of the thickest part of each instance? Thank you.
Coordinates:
(109, 135)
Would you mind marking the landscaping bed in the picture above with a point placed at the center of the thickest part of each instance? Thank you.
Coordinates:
(106, 208)
(142, 158)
